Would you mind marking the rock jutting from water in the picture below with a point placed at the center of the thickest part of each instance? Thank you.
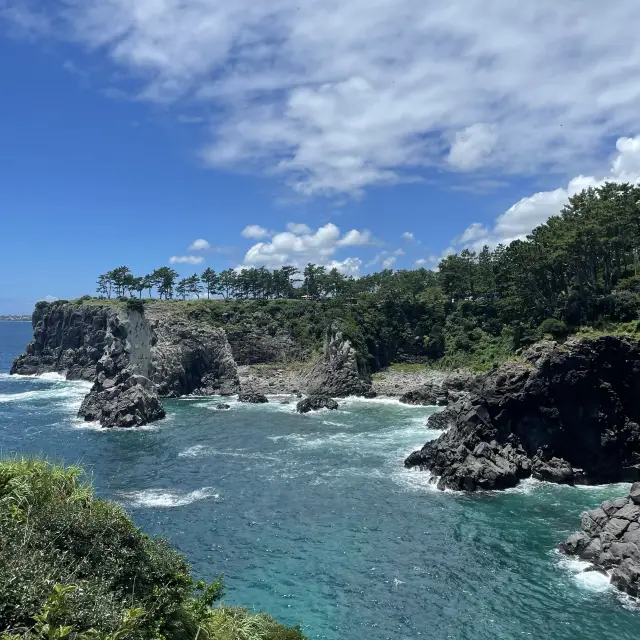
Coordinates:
(252, 398)
(610, 540)
(315, 403)
(567, 414)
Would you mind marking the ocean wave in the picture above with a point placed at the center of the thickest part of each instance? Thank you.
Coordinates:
(50, 376)
(55, 393)
(417, 480)
(582, 576)
(161, 498)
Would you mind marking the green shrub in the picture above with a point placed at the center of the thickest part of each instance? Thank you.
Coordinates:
(74, 564)
(135, 304)
(553, 327)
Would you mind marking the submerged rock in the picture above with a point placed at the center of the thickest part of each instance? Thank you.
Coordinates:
(252, 398)
(314, 403)
(567, 414)
(610, 540)
(223, 407)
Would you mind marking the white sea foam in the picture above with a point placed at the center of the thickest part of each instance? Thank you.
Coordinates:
(589, 580)
(194, 452)
(416, 480)
(161, 498)
(70, 391)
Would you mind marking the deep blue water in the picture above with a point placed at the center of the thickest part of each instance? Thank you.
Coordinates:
(314, 518)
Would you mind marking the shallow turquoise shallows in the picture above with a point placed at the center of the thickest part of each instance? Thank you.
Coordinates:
(314, 519)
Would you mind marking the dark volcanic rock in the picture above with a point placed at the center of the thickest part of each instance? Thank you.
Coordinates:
(340, 372)
(67, 339)
(567, 414)
(369, 395)
(127, 401)
(190, 357)
(253, 398)
(223, 406)
(314, 403)
(610, 540)
(429, 395)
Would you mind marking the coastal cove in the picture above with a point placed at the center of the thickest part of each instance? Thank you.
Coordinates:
(315, 519)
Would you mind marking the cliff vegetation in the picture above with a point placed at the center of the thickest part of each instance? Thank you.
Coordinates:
(74, 566)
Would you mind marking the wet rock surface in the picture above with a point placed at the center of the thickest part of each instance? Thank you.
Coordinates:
(315, 403)
(567, 413)
(253, 398)
(610, 540)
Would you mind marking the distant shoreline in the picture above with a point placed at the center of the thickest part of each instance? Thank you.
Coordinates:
(16, 318)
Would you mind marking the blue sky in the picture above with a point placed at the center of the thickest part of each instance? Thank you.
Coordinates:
(351, 133)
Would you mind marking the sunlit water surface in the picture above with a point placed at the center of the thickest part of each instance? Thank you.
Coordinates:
(315, 519)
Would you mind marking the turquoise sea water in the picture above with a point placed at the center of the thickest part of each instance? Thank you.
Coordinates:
(314, 518)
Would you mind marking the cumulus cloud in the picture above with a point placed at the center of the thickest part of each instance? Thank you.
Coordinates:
(255, 232)
(388, 263)
(348, 266)
(48, 298)
(300, 248)
(526, 214)
(334, 96)
(408, 236)
(199, 245)
(186, 260)
(298, 228)
(355, 238)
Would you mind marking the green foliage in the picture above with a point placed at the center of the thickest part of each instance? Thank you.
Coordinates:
(73, 566)
(553, 327)
(135, 304)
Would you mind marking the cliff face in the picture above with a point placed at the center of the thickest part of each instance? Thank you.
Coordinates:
(66, 338)
(338, 373)
(134, 356)
(568, 414)
(190, 358)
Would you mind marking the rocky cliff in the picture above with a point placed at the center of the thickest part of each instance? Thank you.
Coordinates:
(136, 353)
(132, 357)
(566, 413)
(338, 372)
(610, 540)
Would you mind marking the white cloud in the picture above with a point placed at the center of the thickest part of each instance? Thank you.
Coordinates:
(421, 262)
(355, 238)
(348, 266)
(408, 236)
(255, 232)
(385, 254)
(472, 146)
(298, 228)
(388, 263)
(186, 260)
(199, 245)
(48, 298)
(317, 247)
(334, 96)
(526, 214)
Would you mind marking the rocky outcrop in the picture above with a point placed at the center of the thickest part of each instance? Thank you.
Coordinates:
(315, 403)
(610, 540)
(131, 357)
(339, 373)
(566, 414)
(124, 401)
(431, 395)
(123, 394)
(68, 339)
(253, 398)
(190, 357)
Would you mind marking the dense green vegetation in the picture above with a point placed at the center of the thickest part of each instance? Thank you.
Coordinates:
(73, 566)
(579, 269)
